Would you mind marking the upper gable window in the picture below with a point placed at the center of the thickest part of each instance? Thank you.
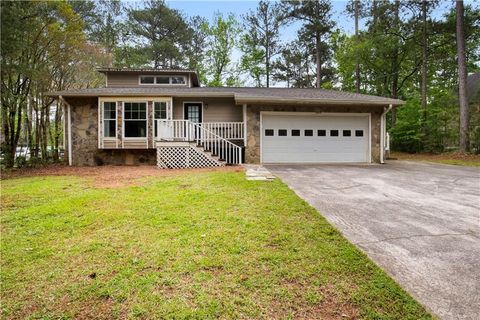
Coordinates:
(163, 80)
(147, 80)
(177, 80)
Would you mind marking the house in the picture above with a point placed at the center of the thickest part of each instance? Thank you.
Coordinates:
(166, 117)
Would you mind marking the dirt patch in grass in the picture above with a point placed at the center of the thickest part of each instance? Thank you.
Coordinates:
(323, 303)
(456, 158)
(109, 176)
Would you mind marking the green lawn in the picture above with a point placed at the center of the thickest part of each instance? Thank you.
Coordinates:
(197, 246)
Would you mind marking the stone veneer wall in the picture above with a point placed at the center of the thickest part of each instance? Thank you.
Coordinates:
(84, 118)
(252, 152)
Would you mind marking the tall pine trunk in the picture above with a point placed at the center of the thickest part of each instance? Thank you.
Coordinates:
(424, 69)
(317, 56)
(357, 65)
(395, 67)
(462, 79)
(267, 66)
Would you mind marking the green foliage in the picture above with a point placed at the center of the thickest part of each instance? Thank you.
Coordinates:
(43, 49)
(161, 33)
(389, 52)
(252, 60)
(194, 245)
(261, 41)
(317, 24)
(405, 136)
(222, 39)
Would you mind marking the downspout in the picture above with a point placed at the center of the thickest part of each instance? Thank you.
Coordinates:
(382, 133)
(69, 125)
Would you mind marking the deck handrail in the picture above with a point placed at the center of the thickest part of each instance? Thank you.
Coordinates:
(185, 130)
(227, 130)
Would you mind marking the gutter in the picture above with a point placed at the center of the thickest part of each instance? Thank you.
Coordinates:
(69, 125)
(339, 101)
(382, 133)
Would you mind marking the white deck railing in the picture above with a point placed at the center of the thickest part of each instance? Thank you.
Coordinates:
(227, 130)
(204, 136)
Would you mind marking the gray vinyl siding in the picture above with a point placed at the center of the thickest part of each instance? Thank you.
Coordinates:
(214, 109)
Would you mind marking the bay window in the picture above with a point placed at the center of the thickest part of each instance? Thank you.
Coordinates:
(109, 119)
(135, 119)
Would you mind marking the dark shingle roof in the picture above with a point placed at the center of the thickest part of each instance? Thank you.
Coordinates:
(241, 95)
(149, 70)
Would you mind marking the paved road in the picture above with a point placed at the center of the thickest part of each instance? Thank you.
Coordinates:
(420, 222)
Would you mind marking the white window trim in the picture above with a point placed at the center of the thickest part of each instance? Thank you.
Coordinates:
(185, 80)
(183, 109)
(146, 120)
(103, 120)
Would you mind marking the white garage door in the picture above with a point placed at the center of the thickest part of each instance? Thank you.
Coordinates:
(313, 138)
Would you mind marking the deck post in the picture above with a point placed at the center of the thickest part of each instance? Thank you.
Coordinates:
(245, 125)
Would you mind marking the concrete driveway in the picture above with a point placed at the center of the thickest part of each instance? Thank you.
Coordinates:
(420, 222)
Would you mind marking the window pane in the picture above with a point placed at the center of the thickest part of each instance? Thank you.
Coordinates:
(282, 132)
(308, 133)
(160, 110)
(127, 107)
(109, 128)
(135, 110)
(322, 133)
(347, 133)
(163, 80)
(295, 133)
(178, 80)
(333, 133)
(109, 110)
(269, 132)
(135, 129)
(358, 133)
(147, 79)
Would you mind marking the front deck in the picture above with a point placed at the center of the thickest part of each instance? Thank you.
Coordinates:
(185, 144)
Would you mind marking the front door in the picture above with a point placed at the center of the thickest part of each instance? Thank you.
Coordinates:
(193, 111)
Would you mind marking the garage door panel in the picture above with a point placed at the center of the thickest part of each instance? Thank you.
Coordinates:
(314, 149)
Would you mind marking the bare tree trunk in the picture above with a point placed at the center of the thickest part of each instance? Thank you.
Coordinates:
(424, 65)
(357, 65)
(28, 124)
(395, 67)
(56, 131)
(317, 56)
(37, 130)
(267, 66)
(462, 80)
(267, 55)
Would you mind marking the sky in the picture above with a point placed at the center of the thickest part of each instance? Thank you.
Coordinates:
(344, 22)
(207, 9)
